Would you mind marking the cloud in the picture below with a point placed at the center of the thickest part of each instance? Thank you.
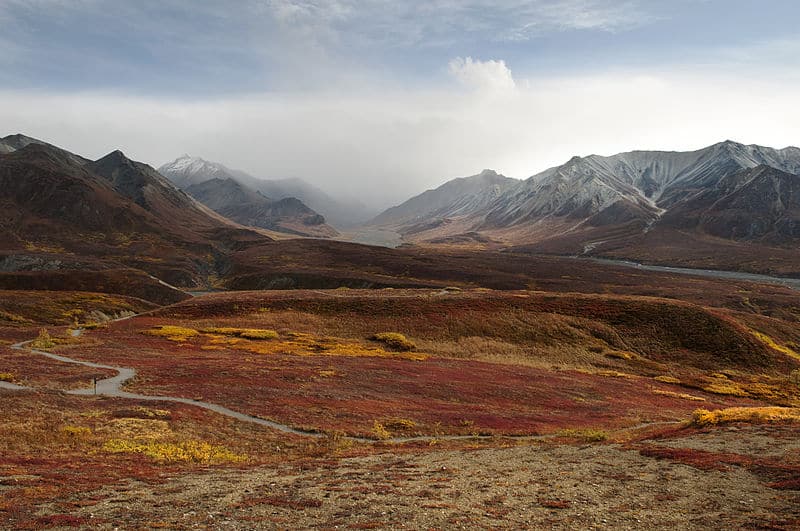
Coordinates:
(492, 76)
(359, 95)
(209, 46)
(386, 146)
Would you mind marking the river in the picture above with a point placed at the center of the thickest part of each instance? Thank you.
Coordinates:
(793, 283)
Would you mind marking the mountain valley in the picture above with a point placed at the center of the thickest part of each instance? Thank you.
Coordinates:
(167, 335)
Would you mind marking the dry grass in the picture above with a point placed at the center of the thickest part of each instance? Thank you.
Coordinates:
(494, 350)
(13, 318)
(673, 394)
(247, 333)
(703, 417)
(43, 341)
(394, 340)
(770, 342)
(723, 386)
(380, 431)
(265, 341)
(173, 333)
(186, 451)
(621, 355)
(585, 434)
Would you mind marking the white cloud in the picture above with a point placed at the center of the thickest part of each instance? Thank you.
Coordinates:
(493, 76)
(387, 145)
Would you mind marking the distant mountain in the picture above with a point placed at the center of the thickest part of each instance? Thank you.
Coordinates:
(464, 196)
(650, 205)
(636, 185)
(186, 171)
(248, 207)
(232, 194)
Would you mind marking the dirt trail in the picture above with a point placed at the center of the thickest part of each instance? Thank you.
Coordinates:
(113, 387)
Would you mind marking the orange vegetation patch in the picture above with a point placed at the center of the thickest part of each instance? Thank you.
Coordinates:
(704, 417)
(294, 343)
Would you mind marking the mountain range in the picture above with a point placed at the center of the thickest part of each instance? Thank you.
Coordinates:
(186, 171)
(225, 192)
(64, 212)
(654, 205)
(69, 221)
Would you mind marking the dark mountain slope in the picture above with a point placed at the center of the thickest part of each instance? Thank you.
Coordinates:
(248, 207)
(186, 171)
(758, 204)
(113, 209)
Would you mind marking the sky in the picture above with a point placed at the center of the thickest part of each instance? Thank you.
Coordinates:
(380, 99)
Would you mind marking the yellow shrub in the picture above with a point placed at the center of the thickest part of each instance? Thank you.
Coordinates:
(308, 345)
(12, 317)
(725, 387)
(248, 333)
(678, 395)
(380, 431)
(186, 451)
(137, 428)
(703, 417)
(259, 334)
(6, 377)
(400, 424)
(75, 432)
(173, 333)
(667, 379)
(585, 434)
(394, 340)
(142, 412)
(621, 354)
(614, 374)
(43, 341)
(767, 340)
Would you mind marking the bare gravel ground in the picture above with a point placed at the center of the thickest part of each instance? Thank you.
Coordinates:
(540, 486)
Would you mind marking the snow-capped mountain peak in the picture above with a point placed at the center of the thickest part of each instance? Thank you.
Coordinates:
(187, 170)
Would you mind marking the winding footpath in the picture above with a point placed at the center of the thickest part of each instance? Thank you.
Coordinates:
(113, 387)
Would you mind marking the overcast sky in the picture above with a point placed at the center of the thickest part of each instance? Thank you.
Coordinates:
(385, 98)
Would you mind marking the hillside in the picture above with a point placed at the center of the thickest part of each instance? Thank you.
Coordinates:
(464, 196)
(114, 212)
